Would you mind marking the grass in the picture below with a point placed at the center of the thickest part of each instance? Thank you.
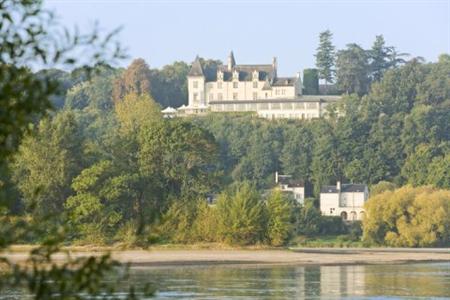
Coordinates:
(333, 241)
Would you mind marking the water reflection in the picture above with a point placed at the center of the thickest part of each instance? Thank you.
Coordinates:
(291, 282)
(409, 281)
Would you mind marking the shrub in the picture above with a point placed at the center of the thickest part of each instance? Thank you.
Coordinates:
(408, 217)
(279, 220)
(241, 216)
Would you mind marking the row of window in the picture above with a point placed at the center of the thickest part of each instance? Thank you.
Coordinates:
(235, 85)
(260, 107)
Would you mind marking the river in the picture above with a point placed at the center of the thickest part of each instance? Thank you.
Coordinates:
(405, 281)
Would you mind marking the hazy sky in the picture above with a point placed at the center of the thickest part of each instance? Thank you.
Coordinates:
(164, 31)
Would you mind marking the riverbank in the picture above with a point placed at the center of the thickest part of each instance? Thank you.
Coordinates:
(298, 256)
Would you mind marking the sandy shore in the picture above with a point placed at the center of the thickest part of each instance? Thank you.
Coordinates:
(301, 256)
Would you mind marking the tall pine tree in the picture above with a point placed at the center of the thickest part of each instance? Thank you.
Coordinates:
(325, 56)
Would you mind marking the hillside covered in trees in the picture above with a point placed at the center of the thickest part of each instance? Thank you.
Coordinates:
(108, 162)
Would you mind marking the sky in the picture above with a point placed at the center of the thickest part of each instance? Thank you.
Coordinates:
(162, 32)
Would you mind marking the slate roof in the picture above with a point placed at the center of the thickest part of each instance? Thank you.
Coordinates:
(266, 72)
(196, 68)
(345, 188)
(284, 81)
(246, 72)
(287, 179)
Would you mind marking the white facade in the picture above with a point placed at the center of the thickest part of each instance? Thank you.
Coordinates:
(286, 184)
(251, 88)
(346, 201)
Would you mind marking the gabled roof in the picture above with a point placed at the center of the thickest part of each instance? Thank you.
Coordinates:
(345, 188)
(289, 181)
(246, 72)
(196, 68)
(284, 81)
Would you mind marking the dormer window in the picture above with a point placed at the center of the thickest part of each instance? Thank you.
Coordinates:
(219, 75)
(255, 75)
(235, 75)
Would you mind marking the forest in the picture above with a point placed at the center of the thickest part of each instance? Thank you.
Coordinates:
(105, 163)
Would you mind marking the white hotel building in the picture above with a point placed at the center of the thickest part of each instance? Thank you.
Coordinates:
(251, 88)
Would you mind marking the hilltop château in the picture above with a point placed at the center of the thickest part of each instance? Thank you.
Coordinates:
(251, 88)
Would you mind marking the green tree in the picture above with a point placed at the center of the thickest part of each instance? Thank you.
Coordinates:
(169, 84)
(435, 89)
(381, 187)
(279, 218)
(309, 219)
(311, 82)
(47, 162)
(25, 97)
(379, 58)
(438, 172)
(95, 93)
(100, 203)
(241, 216)
(206, 223)
(297, 153)
(415, 168)
(325, 56)
(352, 70)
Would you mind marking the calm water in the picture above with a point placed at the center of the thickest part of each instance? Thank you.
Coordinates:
(431, 280)
(411, 281)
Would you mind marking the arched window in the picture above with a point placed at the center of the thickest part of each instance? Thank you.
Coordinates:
(344, 215)
(362, 215)
(353, 216)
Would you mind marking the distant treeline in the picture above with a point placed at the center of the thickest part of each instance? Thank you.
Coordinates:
(107, 161)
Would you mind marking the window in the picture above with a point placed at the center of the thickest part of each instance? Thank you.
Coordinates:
(235, 84)
(219, 84)
(255, 84)
(267, 95)
(262, 106)
(287, 105)
(211, 97)
(195, 84)
(255, 95)
(235, 96)
(219, 96)
(275, 106)
(283, 92)
(195, 96)
(299, 105)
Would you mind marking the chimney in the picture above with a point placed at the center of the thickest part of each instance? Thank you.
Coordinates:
(276, 177)
(275, 65)
(338, 185)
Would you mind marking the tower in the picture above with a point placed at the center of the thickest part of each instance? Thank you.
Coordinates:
(231, 61)
(196, 84)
